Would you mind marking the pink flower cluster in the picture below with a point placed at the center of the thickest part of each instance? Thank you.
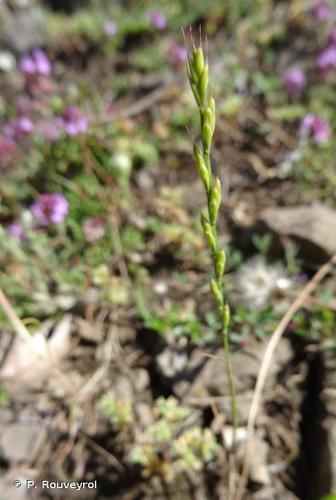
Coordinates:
(294, 80)
(315, 127)
(326, 59)
(110, 28)
(50, 208)
(18, 128)
(16, 230)
(72, 121)
(321, 11)
(36, 69)
(158, 19)
(178, 54)
(35, 64)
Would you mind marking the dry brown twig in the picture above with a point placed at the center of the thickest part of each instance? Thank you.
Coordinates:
(267, 358)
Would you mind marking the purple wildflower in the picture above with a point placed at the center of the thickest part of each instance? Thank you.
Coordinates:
(294, 80)
(93, 229)
(16, 230)
(35, 64)
(178, 54)
(43, 65)
(73, 121)
(24, 125)
(327, 58)
(18, 128)
(27, 65)
(50, 208)
(158, 19)
(110, 28)
(316, 127)
(321, 11)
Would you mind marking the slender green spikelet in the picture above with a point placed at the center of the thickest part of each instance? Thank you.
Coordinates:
(209, 233)
(204, 82)
(220, 264)
(198, 60)
(216, 292)
(198, 73)
(203, 170)
(215, 198)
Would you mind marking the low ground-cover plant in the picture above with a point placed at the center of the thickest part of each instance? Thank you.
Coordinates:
(168, 446)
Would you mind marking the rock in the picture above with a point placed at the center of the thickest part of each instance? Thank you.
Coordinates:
(140, 379)
(30, 362)
(88, 331)
(126, 334)
(144, 180)
(22, 441)
(228, 436)
(313, 227)
(160, 287)
(24, 29)
(259, 472)
(211, 380)
(122, 389)
(171, 362)
(7, 61)
(18, 493)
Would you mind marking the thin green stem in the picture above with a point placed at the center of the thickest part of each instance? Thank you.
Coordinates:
(232, 387)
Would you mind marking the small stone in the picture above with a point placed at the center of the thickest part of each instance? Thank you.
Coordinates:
(144, 180)
(228, 436)
(170, 362)
(22, 441)
(161, 287)
(30, 23)
(141, 379)
(21, 474)
(7, 61)
(126, 335)
(260, 474)
(314, 227)
(122, 389)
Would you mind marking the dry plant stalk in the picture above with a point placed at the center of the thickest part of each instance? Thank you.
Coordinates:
(266, 362)
(198, 73)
